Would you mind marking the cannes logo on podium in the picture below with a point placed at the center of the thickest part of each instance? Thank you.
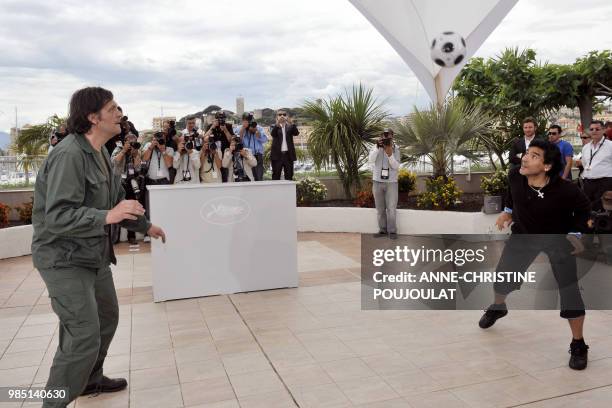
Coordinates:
(225, 210)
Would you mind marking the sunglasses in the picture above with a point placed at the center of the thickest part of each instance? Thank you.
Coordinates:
(552, 133)
(584, 137)
(282, 114)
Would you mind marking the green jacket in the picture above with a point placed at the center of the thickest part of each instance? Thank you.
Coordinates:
(71, 199)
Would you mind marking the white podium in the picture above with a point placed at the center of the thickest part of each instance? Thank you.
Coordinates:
(223, 238)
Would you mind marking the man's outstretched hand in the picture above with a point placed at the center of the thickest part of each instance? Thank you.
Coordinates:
(157, 232)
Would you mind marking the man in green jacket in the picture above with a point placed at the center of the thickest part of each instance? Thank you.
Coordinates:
(76, 199)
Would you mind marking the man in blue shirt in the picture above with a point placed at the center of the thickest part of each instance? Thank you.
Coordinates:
(567, 151)
(253, 138)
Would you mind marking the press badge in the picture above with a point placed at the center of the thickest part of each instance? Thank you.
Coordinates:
(384, 174)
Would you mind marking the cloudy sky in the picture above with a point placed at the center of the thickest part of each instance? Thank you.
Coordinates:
(185, 55)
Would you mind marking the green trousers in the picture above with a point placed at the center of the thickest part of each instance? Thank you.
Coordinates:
(85, 302)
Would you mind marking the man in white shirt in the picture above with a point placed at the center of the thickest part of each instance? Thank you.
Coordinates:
(384, 160)
(187, 163)
(597, 163)
(282, 152)
(157, 158)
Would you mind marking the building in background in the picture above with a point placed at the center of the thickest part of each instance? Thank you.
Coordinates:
(159, 121)
(239, 106)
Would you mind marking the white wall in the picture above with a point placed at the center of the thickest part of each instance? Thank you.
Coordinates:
(363, 220)
(16, 241)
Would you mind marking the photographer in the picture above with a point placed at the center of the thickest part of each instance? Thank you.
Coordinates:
(169, 130)
(126, 163)
(126, 127)
(221, 133)
(187, 161)
(239, 161)
(283, 150)
(210, 162)
(57, 137)
(254, 137)
(385, 160)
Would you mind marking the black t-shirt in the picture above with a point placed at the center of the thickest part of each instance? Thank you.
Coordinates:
(564, 207)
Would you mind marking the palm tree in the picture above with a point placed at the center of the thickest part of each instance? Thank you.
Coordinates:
(343, 128)
(33, 142)
(442, 132)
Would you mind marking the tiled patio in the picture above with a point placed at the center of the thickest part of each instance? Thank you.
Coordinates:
(309, 347)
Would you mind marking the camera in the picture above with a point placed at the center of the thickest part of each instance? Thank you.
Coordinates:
(197, 141)
(386, 139)
(212, 145)
(189, 145)
(602, 222)
(220, 116)
(159, 136)
(240, 175)
(252, 124)
(239, 147)
(135, 145)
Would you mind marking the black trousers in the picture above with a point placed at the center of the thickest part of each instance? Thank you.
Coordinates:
(521, 250)
(284, 164)
(258, 171)
(594, 189)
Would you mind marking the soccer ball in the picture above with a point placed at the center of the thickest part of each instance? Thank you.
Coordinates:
(448, 49)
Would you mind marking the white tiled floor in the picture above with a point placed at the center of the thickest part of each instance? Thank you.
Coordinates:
(311, 346)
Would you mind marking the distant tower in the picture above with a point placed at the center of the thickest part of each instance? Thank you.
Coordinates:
(240, 106)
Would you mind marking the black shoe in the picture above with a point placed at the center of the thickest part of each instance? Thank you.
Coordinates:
(106, 385)
(132, 241)
(393, 235)
(580, 355)
(380, 234)
(491, 315)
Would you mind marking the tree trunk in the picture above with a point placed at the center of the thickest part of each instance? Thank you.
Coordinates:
(585, 104)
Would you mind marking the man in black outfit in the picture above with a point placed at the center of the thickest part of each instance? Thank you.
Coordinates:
(541, 202)
(220, 132)
(283, 149)
(521, 144)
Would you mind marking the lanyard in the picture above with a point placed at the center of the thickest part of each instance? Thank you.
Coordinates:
(596, 151)
(252, 137)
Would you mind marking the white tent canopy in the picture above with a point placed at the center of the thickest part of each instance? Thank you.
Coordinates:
(410, 26)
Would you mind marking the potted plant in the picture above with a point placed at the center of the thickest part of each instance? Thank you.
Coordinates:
(494, 188)
(310, 190)
(406, 181)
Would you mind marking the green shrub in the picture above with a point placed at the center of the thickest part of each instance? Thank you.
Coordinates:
(310, 190)
(406, 181)
(496, 184)
(441, 194)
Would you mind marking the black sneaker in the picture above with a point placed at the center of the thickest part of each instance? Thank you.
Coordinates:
(491, 315)
(106, 385)
(580, 355)
(393, 235)
(380, 234)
